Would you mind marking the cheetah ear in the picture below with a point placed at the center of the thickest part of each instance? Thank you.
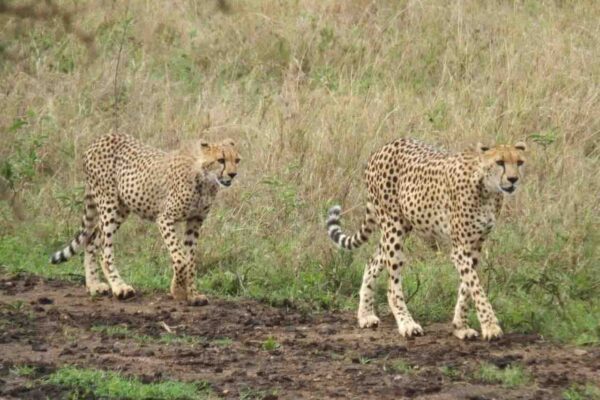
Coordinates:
(521, 146)
(204, 144)
(481, 148)
(228, 142)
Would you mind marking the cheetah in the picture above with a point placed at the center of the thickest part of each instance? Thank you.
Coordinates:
(444, 197)
(123, 176)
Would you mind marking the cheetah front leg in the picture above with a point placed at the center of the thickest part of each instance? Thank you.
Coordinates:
(465, 261)
(461, 328)
(190, 241)
(181, 287)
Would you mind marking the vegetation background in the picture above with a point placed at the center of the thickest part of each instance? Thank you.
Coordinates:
(309, 89)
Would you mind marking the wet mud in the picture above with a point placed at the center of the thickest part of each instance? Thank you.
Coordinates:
(244, 346)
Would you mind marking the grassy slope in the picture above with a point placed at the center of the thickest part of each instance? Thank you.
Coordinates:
(309, 89)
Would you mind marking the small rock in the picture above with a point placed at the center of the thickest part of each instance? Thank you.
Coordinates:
(101, 350)
(327, 330)
(45, 300)
(66, 352)
(38, 347)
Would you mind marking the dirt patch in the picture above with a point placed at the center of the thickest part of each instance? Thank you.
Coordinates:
(241, 346)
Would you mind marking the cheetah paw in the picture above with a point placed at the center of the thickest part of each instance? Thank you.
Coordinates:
(368, 321)
(465, 333)
(123, 292)
(198, 300)
(179, 294)
(409, 329)
(491, 331)
(98, 289)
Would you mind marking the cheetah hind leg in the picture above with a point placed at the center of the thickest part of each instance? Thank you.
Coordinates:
(366, 307)
(93, 284)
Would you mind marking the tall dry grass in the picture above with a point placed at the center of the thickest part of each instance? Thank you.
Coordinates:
(309, 89)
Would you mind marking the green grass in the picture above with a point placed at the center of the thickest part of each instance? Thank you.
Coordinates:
(308, 94)
(450, 372)
(222, 342)
(525, 299)
(257, 394)
(365, 360)
(270, 344)
(16, 305)
(582, 392)
(118, 331)
(23, 370)
(512, 376)
(399, 366)
(86, 383)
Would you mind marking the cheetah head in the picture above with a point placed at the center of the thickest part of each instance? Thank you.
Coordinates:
(221, 159)
(503, 166)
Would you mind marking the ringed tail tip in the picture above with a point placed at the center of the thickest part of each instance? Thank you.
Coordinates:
(335, 210)
(333, 215)
(58, 258)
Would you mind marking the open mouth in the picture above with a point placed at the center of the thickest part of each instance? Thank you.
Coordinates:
(509, 189)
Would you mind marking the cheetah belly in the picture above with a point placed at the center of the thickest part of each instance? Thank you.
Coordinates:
(436, 230)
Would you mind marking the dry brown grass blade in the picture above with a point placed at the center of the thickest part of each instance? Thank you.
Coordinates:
(46, 12)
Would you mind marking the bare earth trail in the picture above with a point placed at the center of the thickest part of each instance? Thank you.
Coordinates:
(48, 324)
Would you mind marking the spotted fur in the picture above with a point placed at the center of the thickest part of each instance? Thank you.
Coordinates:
(451, 198)
(123, 176)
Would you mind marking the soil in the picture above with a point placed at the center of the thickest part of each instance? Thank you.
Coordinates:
(50, 323)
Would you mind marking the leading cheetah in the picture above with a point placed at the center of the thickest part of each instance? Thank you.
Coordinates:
(123, 176)
(447, 197)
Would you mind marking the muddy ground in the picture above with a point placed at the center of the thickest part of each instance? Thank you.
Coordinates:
(49, 323)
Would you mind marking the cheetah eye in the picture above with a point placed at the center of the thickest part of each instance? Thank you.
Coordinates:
(221, 160)
(500, 163)
(520, 162)
(237, 160)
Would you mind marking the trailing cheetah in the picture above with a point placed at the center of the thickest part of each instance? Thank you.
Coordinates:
(123, 176)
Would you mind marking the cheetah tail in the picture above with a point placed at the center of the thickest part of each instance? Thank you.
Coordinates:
(82, 237)
(346, 241)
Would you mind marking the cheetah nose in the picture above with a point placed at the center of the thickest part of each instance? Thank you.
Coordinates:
(513, 179)
(232, 175)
